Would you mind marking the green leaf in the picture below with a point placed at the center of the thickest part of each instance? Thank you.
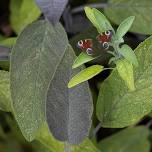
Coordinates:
(23, 12)
(90, 14)
(118, 10)
(68, 125)
(102, 21)
(125, 70)
(34, 60)
(118, 107)
(45, 137)
(85, 75)
(5, 97)
(98, 19)
(8, 41)
(128, 54)
(81, 59)
(124, 27)
(130, 139)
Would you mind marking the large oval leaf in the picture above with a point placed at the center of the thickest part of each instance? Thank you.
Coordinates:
(35, 57)
(46, 138)
(118, 10)
(23, 12)
(52, 9)
(118, 107)
(130, 139)
(69, 111)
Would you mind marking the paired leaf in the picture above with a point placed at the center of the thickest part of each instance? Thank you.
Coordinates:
(81, 59)
(85, 75)
(98, 19)
(125, 70)
(130, 139)
(23, 12)
(33, 64)
(128, 54)
(117, 106)
(118, 10)
(5, 97)
(71, 108)
(52, 9)
(124, 27)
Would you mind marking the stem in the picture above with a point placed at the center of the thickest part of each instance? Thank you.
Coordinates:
(67, 147)
(96, 130)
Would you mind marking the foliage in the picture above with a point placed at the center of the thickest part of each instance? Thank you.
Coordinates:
(45, 102)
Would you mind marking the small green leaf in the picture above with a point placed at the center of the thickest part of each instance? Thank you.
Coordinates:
(81, 59)
(124, 27)
(125, 70)
(8, 41)
(23, 12)
(85, 75)
(102, 21)
(98, 19)
(127, 140)
(90, 14)
(128, 54)
(5, 97)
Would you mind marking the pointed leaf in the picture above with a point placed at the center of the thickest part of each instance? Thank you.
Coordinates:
(85, 75)
(102, 21)
(128, 54)
(35, 57)
(71, 108)
(81, 59)
(119, 107)
(125, 70)
(130, 139)
(23, 12)
(124, 27)
(52, 9)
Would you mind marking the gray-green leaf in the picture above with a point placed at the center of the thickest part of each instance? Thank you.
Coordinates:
(118, 107)
(127, 140)
(128, 54)
(118, 10)
(71, 108)
(34, 60)
(46, 138)
(81, 59)
(124, 27)
(85, 75)
(23, 12)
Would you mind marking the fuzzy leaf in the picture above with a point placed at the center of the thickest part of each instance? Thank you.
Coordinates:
(125, 70)
(5, 97)
(117, 106)
(124, 27)
(46, 138)
(118, 10)
(71, 108)
(85, 75)
(23, 12)
(130, 139)
(52, 9)
(81, 59)
(129, 54)
(35, 57)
